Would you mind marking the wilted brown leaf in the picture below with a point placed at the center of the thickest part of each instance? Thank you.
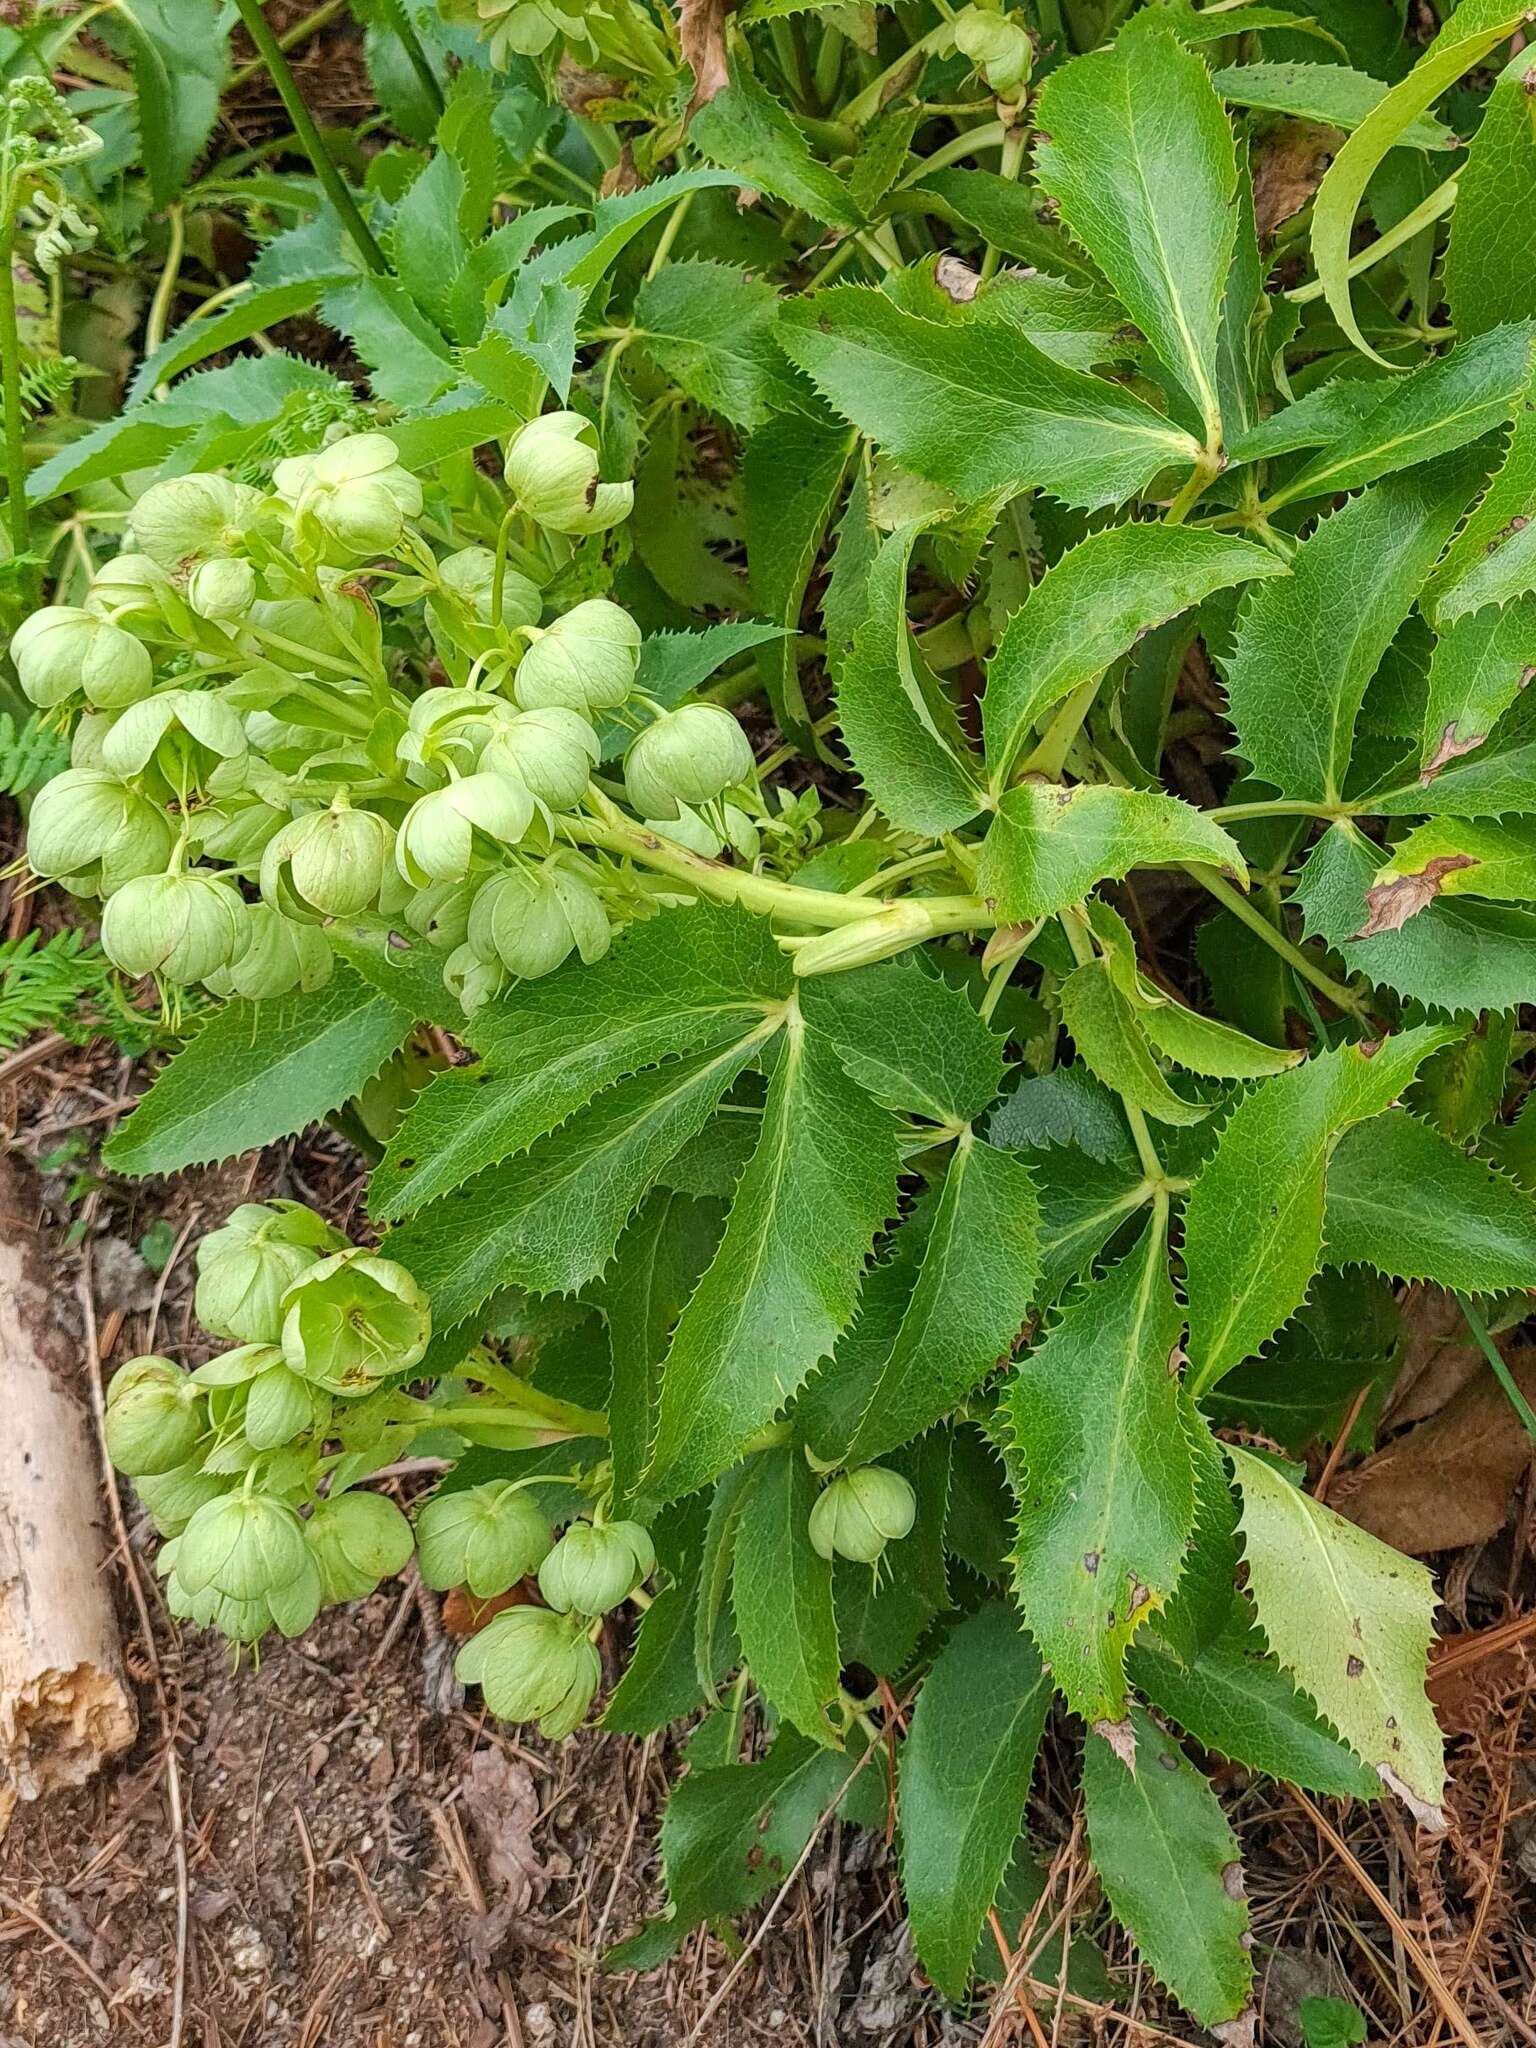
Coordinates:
(499, 1796)
(1393, 903)
(701, 32)
(1288, 166)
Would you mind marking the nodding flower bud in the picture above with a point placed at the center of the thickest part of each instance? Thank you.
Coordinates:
(354, 492)
(183, 926)
(483, 1537)
(353, 1320)
(531, 920)
(243, 1545)
(212, 727)
(585, 661)
(282, 956)
(62, 649)
(437, 839)
(552, 752)
(596, 1565)
(129, 586)
(473, 981)
(155, 1414)
(533, 1665)
(247, 1265)
(328, 862)
(551, 470)
(172, 1498)
(860, 1512)
(222, 590)
(357, 1539)
(999, 47)
(188, 519)
(280, 1406)
(87, 825)
(471, 576)
(689, 756)
(440, 913)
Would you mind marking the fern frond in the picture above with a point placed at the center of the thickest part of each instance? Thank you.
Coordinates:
(43, 983)
(30, 754)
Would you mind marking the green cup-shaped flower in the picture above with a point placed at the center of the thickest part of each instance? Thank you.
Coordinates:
(689, 756)
(87, 823)
(553, 752)
(357, 1539)
(999, 46)
(238, 827)
(533, 1665)
(330, 862)
(551, 470)
(281, 957)
(484, 1537)
(211, 725)
(223, 591)
(472, 981)
(860, 1512)
(247, 1265)
(354, 1319)
(471, 576)
(188, 519)
(154, 1417)
(130, 586)
(292, 1607)
(595, 1565)
(244, 1545)
(355, 492)
(440, 913)
(281, 1406)
(437, 838)
(532, 919)
(181, 926)
(63, 649)
(172, 1498)
(585, 661)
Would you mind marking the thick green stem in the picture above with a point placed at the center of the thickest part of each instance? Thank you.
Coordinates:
(1232, 899)
(15, 420)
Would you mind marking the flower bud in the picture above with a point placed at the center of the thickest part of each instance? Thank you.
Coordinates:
(282, 956)
(207, 721)
(243, 1545)
(551, 470)
(471, 980)
(553, 752)
(129, 586)
(188, 519)
(281, 1406)
(332, 861)
(440, 913)
(471, 576)
(357, 1539)
(180, 926)
(354, 1319)
(354, 492)
(533, 1665)
(689, 756)
(594, 1566)
(154, 1417)
(531, 920)
(245, 1267)
(860, 1512)
(585, 661)
(484, 1537)
(437, 839)
(222, 590)
(171, 1499)
(999, 47)
(62, 649)
(86, 823)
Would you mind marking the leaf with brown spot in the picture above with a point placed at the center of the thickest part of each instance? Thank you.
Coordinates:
(701, 33)
(1394, 901)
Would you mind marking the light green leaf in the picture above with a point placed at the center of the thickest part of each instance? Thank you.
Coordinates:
(257, 1071)
(964, 1777)
(1171, 1870)
(180, 51)
(1331, 93)
(1405, 1200)
(785, 1281)
(710, 329)
(408, 361)
(975, 407)
(1049, 845)
(1253, 1227)
(782, 1594)
(791, 475)
(1486, 277)
(1089, 608)
(1319, 416)
(1491, 858)
(1099, 1458)
(1076, 325)
(1350, 1619)
(745, 129)
(1307, 646)
(250, 314)
(1106, 1027)
(1480, 664)
(1493, 557)
(901, 731)
(1141, 162)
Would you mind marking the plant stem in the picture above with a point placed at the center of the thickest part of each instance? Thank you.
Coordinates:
(15, 423)
(410, 42)
(1015, 143)
(170, 276)
(1495, 1358)
(1205, 472)
(1232, 899)
(334, 186)
(290, 39)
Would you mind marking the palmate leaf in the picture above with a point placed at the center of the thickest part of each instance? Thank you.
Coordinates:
(1171, 1870)
(976, 407)
(1099, 1458)
(964, 1777)
(782, 1594)
(1253, 1227)
(1049, 845)
(1350, 1620)
(1141, 161)
(1485, 280)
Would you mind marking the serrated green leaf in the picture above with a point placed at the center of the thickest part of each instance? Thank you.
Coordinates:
(1350, 1619)
(1331, 93)
(1487, 857)
(197, 340)
(710, 328)
(1106, 1027)
(782, 1594)
(1100, 1462)
(1485, 279)
(976, 407)
(1253, 1227)
(661, 1681)
(784, 1283)
(1493, 557)
(1307, 647)
(1049, 845)
(1141, 161)
(257, 1071)
(1480, 665)
(1171, 1870)
(908, 1039)
(180, 52)
(1014, 216)
(1405, 1200)
(882, 152)
(791, 473)
(683, 980)
(672, 665)
(1343, 1338)
(407, 359)
(1202, 1600)
(727, 1501)
(1089, 608)
(964, 1777)
(745, 129)
(1319, 416)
